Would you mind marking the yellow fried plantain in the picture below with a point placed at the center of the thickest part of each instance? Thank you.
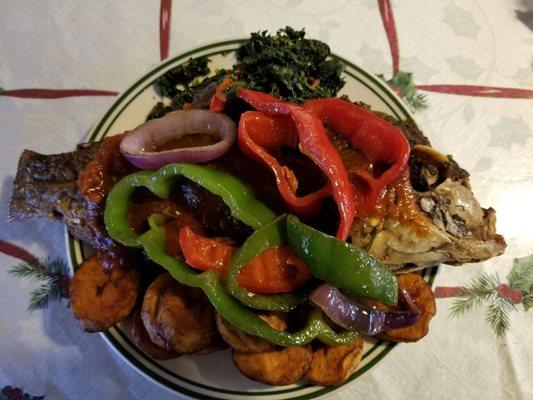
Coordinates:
(150, 306)
(216, 344)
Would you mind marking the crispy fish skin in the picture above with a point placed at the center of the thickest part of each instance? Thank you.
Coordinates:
(46, 186)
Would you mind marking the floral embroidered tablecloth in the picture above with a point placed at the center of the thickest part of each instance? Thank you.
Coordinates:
(465, 68)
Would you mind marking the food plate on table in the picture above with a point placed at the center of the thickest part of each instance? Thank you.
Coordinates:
(290, 205)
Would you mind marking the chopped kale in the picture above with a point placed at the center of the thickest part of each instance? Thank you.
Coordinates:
(289, 66)
(159, 110)
(286, 65)
(183, 75)
(193, 92)
(182, 85)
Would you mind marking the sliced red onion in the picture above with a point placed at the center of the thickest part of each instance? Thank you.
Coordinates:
(139, 146)
(354, 316)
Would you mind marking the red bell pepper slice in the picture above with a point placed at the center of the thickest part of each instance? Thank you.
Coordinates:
(219, 99)
(205, 253)
(381, 142)
(260, 132)
(315, 144)
(275, 270)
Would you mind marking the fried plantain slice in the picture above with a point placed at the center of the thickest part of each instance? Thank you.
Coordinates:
(216, 344)
(143, 342)
(278, 367)
(150, 306)
(245, 343)
(100, 297)
(185, 319)
(332, 365)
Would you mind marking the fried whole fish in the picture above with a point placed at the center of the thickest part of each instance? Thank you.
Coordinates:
(429, 215)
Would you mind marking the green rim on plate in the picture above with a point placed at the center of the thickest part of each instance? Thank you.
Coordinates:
(117, 338)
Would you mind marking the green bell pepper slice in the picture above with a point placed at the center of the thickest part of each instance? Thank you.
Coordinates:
(116, 209)
(242, 204)
(341, 264)
(274, 234)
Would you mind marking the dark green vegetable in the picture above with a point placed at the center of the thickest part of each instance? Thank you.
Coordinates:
(183, 75)
(182, 83)
(159, 110)
(286, 65)
(341, 264)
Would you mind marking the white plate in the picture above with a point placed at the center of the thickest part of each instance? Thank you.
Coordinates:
(213, 376)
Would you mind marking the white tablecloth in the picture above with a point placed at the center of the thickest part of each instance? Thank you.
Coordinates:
(108, 44)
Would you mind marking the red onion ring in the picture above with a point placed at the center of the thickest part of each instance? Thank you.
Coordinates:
(138, 144)
(354, 316)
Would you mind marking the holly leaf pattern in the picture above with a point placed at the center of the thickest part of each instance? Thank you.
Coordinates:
(424, 72)
(461, 21)
(464, 67)
(524, 76)
(509, 131)
(483, 164)
(372, 58)
(468, 113)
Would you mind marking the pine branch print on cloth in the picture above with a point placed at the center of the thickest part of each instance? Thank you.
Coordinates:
(501, 298)
(53, 274)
